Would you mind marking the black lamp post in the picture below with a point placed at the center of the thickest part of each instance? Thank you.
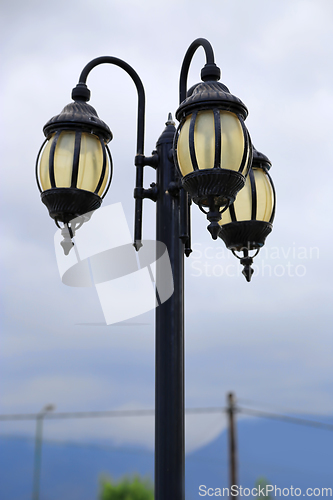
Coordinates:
(206, 160)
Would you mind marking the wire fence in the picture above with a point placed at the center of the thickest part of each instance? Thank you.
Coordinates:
(220, 462)
(151, 412)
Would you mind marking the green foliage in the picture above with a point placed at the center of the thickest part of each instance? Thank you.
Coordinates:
(127, 489)
(262, 483)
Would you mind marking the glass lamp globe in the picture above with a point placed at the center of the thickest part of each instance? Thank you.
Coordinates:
(248, 221)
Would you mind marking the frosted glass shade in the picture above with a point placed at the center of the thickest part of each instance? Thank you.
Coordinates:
(248, 221)
(256, 201)
(213, 139)
(74, 160)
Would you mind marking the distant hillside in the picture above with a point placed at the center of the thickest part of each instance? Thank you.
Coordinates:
(286, 454)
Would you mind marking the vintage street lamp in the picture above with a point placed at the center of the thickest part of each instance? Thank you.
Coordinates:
(212, 145)
(248, 221)
(74, 165)
(206, 160)
(74, 160)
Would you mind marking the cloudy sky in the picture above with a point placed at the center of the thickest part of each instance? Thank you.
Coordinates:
(270, 341)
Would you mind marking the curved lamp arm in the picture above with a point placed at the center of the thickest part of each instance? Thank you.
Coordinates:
(81, 92)
(209, 72)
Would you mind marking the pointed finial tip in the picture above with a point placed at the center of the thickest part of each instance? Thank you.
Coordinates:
(247, 272)
(67, 245)
(170, 120)
(137, 245)
(214, 229)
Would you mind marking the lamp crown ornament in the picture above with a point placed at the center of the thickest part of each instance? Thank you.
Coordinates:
(260, 160)
(78, 115)
(208, 94)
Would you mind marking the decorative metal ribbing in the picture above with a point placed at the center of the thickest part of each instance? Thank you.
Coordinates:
(247, 148)
(51, 159)
(101, 180)
(76, 158)
(254, 195)
(36, 166)
(218, 142)
(191, 141)
(247, 153)
(274, 202)
(76, 163)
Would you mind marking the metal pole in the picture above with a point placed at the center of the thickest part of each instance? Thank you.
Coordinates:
(37, 456)
(169, 369)
(232, 443)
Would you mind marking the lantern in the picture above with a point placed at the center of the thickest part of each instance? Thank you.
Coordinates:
(248, 221)
(212, 147)
(74, 165)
